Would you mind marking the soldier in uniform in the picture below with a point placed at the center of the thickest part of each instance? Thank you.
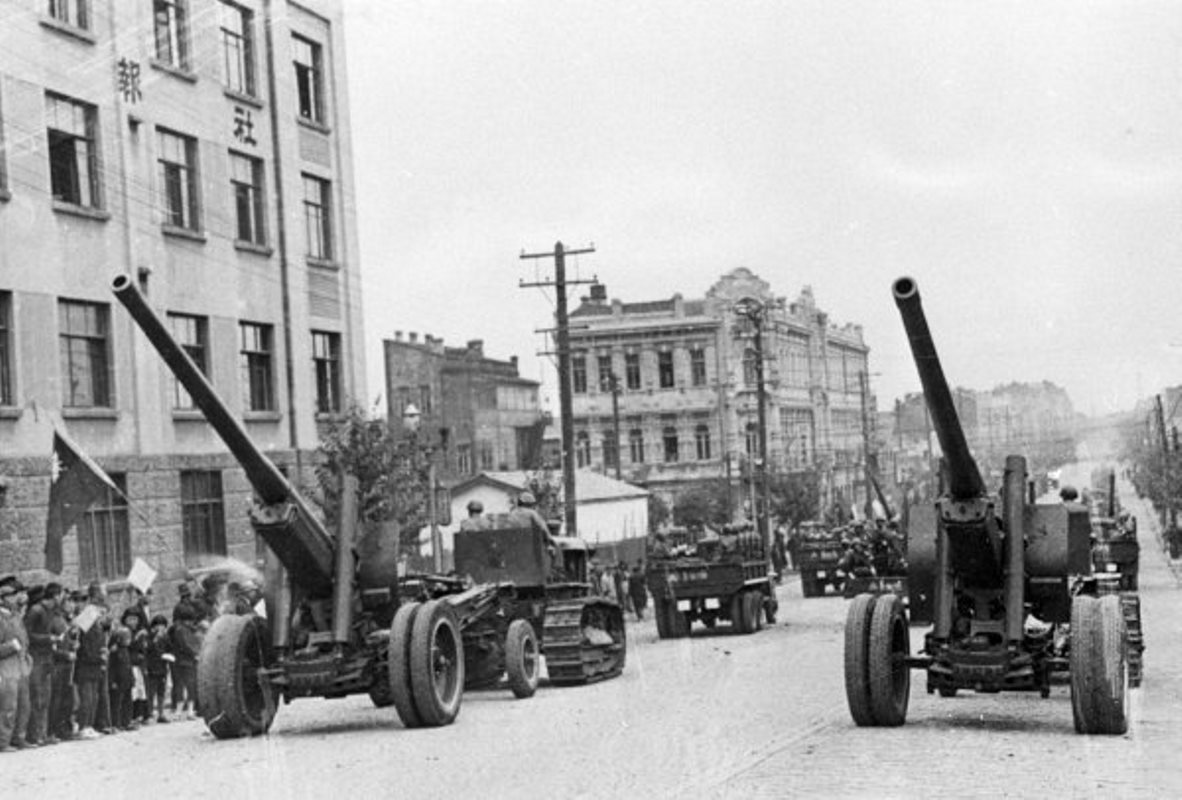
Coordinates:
(475, 520)
(526, 515)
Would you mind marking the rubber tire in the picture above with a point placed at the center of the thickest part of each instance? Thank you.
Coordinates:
(678, 623)
(755, 612)
(856, 657)
(436, 620)
(739, 613)
(1083, 614)
(890, 677)
(521, 658)
(226, 705)
(1109, 662)
(398, 665)
(660, 612)
(808, 584)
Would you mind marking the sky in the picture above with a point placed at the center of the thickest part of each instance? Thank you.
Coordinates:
(1021, 161)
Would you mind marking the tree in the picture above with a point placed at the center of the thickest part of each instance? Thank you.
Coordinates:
(794, 498)
(705, 504)
(658, 513)
(391, 472)
(546, 487)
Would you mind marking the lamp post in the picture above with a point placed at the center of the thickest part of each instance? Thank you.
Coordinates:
(412, 418)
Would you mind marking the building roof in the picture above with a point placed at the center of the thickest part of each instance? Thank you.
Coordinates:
(592, 487)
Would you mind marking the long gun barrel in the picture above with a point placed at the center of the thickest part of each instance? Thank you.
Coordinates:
(285, 522)
(964, 478)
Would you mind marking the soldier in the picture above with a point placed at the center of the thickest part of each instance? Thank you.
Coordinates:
(475, 520)
(526, 515)
(39, 623)
(14, 668)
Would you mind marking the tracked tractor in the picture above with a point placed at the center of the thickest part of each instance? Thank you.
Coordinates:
(1006, 585)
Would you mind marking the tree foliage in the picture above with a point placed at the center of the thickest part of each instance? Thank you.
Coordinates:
(794, 498)
(658, 513)
(708, 503)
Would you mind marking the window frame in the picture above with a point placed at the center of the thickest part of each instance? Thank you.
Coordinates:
(180, 181)
(632, 371)
(238, 73)
(203, 514)
(636, 445)
(578, 374)
(582, 449)
(318, 228)
(256, 351)
(309, 79)
(670, 445)
(7, 350)
(666, 374)
(104, 534)
(697, 366)
(191, 332)
(255, 192)
(702, 441)
(96, 350)
(60, 12)
(170, 33)
(83, 172)
(326, 360)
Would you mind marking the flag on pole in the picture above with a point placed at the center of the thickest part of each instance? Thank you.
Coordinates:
(75, 482)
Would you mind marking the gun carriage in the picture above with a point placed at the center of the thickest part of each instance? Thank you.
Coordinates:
(996, 576)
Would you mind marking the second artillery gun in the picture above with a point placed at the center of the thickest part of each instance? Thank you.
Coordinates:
(997, 577)
(339, 623)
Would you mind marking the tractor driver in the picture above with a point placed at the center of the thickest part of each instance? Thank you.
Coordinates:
(476, 520)
(526, 515)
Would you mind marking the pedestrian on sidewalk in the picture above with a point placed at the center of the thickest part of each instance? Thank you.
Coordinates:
(14, 666)
(637, 590)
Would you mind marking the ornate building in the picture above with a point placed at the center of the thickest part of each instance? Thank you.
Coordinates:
(686, 385)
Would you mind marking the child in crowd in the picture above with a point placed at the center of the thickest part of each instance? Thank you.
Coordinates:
(156, 658)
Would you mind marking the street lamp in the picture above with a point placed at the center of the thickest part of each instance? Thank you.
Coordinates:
(412, 419)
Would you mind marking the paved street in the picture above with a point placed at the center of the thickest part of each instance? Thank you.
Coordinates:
(714, 716)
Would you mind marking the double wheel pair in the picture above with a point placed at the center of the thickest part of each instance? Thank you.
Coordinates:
(877, 646)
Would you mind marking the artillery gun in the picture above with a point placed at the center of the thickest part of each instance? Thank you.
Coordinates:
(334, 626)
(995, 576)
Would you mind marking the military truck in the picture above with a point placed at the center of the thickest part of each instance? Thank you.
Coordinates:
(725, 579)
(1006, 584)
(818, 556)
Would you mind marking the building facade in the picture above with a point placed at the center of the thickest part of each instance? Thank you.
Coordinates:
(202, 148)
(477, 413)
(685, 381)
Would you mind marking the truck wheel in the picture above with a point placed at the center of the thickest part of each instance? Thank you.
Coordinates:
(1083, 613)
(660, 612)
(436, 664)
(1106, 698)
(739, 613)
(398, 665)
(754, 612)
(889, 647)
(234, 699)
(857, 652)
(521, 658)
(678, 624)
(808, 584)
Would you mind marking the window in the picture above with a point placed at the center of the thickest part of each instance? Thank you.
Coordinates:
(309, 78)
(169, 24)
(257, 380)
(698, 366)
(192, 334)
(104, 536)
(317, 217)
(665, 368)
(636, 445)
(74, 13)
(178, 179)
(702, 442)
(6, 348)
(582, 449)
(326, 356)
(246, 181)
(425, 399)
(238, 48)
(73, 151)
(604, 366)
(203, 514)
(578, 373)
(611, 453)
(464, 459)
(632, 370)
(751, 437)
(85, 354)
(486, 455)
(669, 437)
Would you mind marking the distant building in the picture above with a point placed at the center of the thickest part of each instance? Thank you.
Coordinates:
(686, 379)
(206, 155)
(478, 412)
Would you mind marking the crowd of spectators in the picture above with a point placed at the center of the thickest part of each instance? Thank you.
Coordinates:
(76, 665)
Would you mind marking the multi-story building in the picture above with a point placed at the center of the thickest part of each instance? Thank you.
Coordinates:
(476, 413)
(202, 148)
(686, 377)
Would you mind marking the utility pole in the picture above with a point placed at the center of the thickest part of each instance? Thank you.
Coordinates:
(1165, 459)
(756, 312)
(564, 388)
(867, 458)
(614, 386)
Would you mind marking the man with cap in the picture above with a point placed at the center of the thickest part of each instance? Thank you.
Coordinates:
(526, 515)
(475, 520)
(14, 666)
(39, 623)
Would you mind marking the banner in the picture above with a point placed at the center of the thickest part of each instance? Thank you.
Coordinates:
(141, 575)
(75, 483)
